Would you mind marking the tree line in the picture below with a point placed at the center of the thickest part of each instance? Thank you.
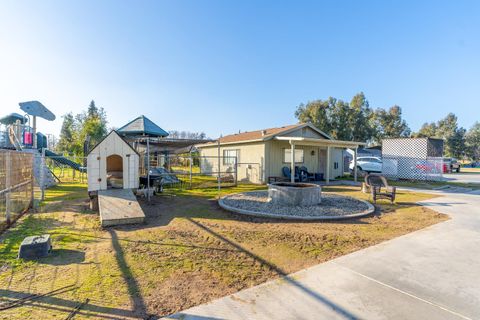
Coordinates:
(459, 142)
(82, 131)
(357, 121)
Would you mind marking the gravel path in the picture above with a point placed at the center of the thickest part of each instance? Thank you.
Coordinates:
(332, 205)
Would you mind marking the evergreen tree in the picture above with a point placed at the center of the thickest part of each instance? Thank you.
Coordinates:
(67, 133)
(472, 141)
(75, 129)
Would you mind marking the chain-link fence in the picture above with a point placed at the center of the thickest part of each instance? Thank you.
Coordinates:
(413, 159)
(16, 185)
(430, 169)
(189, 171)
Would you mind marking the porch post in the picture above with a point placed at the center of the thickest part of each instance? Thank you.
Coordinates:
(292, 164)
(148, 169)
(355, 171)
(327, 173)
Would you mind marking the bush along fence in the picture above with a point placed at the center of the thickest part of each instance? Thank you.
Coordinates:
(16, 185)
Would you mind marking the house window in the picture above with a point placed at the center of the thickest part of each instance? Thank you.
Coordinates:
(229, 157)
(287, 155)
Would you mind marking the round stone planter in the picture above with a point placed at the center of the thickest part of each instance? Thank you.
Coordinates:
(295, 194)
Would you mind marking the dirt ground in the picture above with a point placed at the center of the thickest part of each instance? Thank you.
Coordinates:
(188, 252)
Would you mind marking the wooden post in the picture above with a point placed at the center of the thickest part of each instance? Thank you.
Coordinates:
(355, 171)
(191, 168)
(219, 168)
(8, 174)
(42, 174)
(236, 171)
(292, 164)
(148, 169)
(34, 132)
(32, 183)
(327, 171)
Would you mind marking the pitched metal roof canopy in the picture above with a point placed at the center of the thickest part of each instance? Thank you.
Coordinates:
(142, 126)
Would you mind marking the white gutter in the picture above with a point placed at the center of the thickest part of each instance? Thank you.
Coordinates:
(325, 142)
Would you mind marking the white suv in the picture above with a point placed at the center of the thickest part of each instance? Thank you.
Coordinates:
(368, 164)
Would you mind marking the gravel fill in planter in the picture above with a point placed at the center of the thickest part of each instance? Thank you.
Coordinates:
(333, 206)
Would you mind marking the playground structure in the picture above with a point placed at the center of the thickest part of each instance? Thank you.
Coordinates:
(19, 133)
(139, 158)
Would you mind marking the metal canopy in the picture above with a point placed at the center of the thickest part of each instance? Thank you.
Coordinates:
(142, 126)
(35, 108)
(12, 118)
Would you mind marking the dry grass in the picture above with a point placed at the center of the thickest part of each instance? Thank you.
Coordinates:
(470, 170)
(189, 252)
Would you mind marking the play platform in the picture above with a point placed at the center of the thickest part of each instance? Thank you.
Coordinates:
(119, 206)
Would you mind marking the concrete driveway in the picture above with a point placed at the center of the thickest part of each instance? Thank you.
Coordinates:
(462, 177)
(433, 273)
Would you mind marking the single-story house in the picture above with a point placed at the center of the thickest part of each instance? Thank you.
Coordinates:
(261, 155)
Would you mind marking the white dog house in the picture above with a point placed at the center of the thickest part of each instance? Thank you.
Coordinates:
(112, 164)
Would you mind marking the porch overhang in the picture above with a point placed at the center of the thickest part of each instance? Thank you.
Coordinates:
(302, 141)
(321, 142)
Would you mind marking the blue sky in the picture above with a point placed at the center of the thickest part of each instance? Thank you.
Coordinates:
(224, 66)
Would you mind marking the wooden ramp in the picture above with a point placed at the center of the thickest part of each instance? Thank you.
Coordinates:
(119, 206)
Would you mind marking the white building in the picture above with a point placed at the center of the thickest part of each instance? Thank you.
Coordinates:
(112, 163)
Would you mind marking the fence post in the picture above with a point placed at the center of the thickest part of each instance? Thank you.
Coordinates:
(191, 168)
(42, 175)
(148, 169)
(32, 183)
(218, 167)
(236, 171)
(8, 165)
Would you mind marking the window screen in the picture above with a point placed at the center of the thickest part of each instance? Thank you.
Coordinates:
(229, 157)
(287, 155)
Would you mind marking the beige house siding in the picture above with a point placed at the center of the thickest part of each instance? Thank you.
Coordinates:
(305, 132)
(276, 157)
(315, 163)
(336, 162)
(251, 161)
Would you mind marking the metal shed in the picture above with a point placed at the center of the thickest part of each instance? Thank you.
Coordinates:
(413, 158)
(112, 163)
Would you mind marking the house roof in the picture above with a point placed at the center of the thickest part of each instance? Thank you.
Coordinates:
(266, 134)
(142, 126)
(113, 131)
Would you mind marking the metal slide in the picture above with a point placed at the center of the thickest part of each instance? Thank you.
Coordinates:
(62, 160)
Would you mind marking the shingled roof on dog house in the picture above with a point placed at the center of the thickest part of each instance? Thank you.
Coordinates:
(142, 126)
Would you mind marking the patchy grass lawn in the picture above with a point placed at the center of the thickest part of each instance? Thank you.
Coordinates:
(431, 185)
(470, 170)
(188, 252)
(428, 185)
